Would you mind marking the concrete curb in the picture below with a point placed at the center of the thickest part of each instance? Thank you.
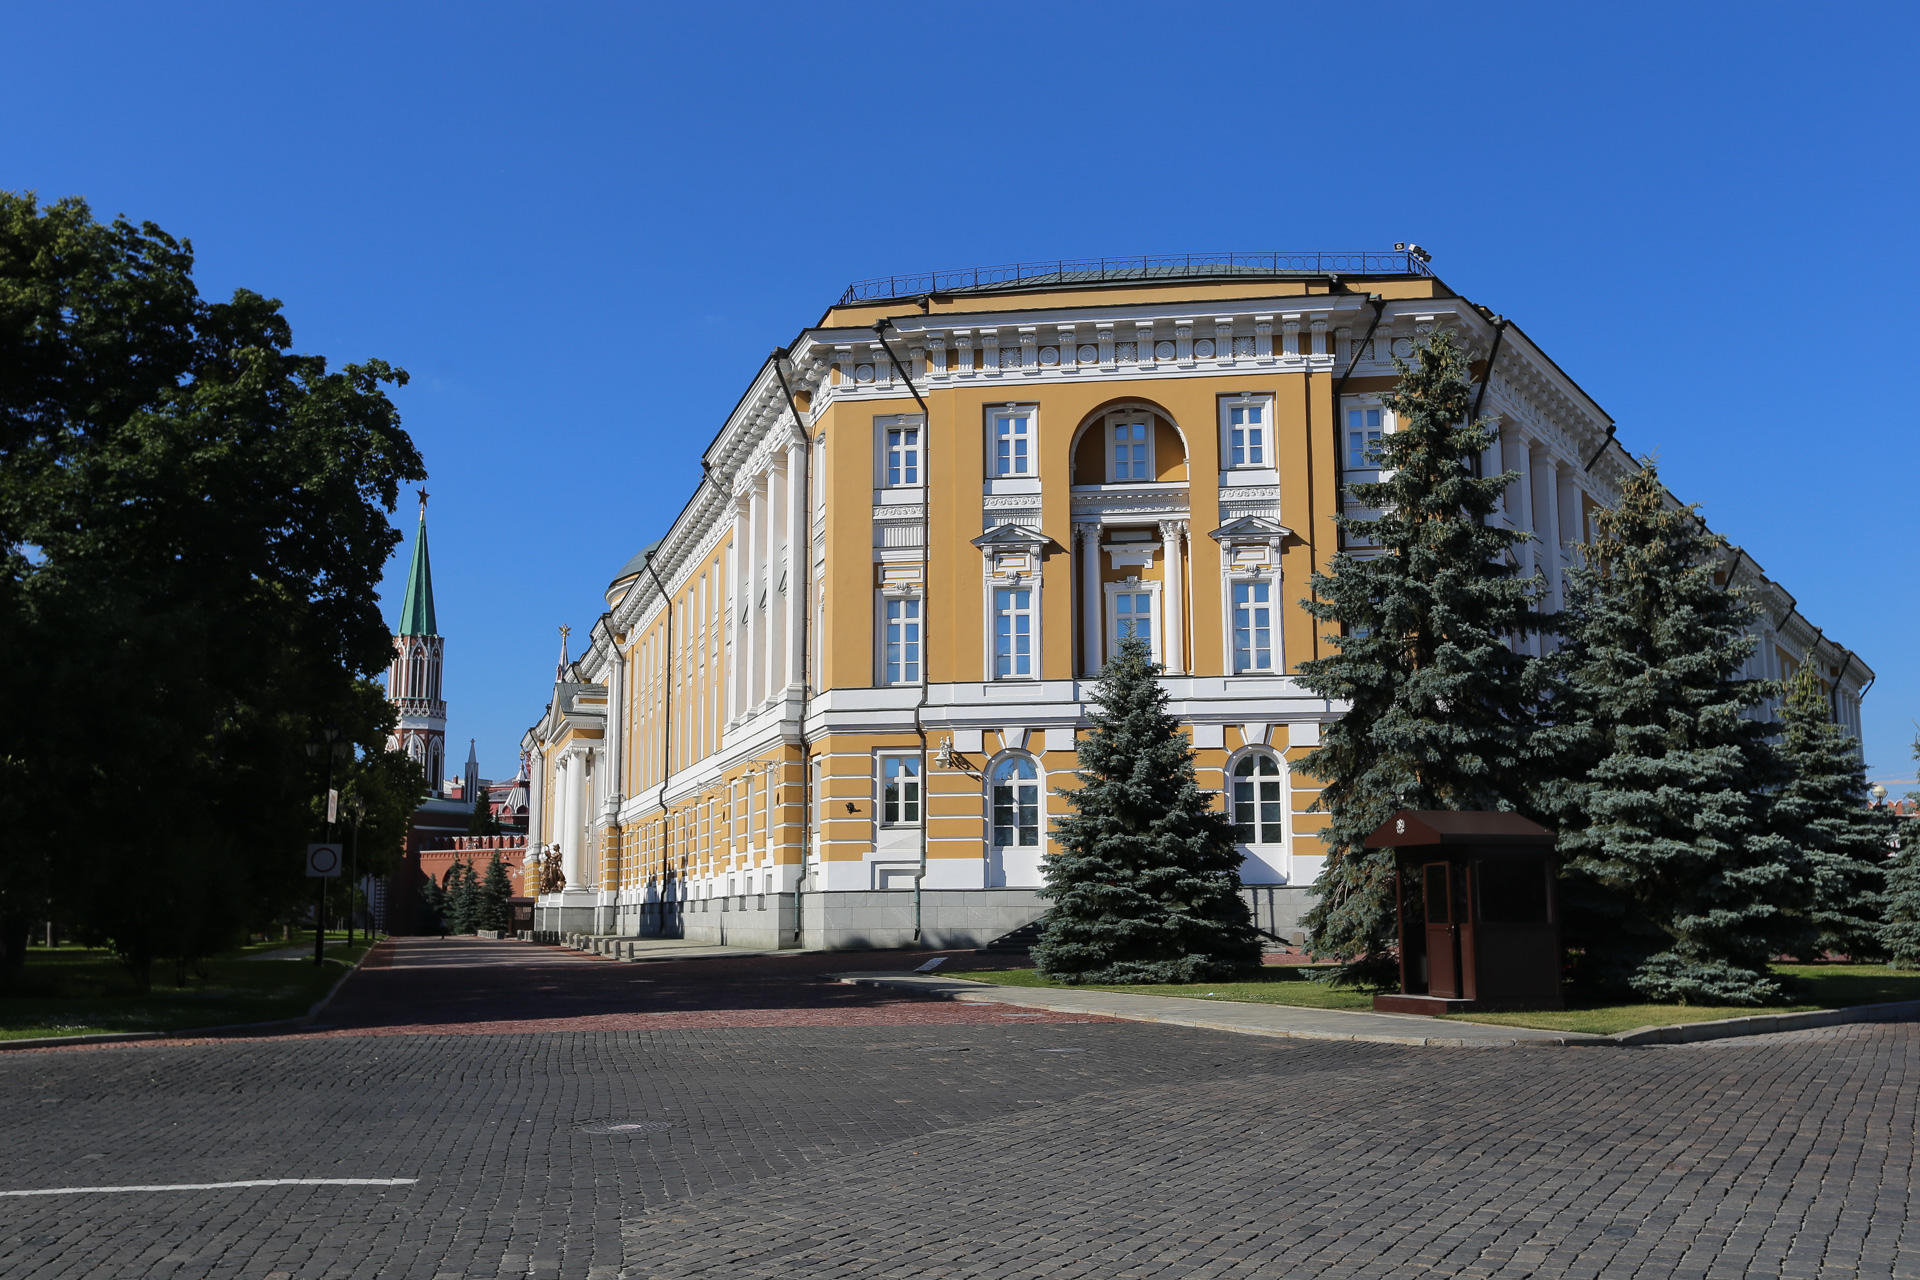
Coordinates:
(956, 987)
(105, 1037)
(230, 1029)
(1767, 1023)
(1209, 1015)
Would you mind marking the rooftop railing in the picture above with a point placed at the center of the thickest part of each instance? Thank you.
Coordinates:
(1144, 267)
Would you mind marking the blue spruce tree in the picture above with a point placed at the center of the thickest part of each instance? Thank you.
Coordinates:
(1432, 615)
(1145, 882)
(1670, 820)
(1900, 932)
(1822, 810)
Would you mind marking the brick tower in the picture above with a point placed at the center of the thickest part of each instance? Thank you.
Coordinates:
(413, 682)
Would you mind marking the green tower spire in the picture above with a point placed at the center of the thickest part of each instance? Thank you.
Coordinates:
(416, 609)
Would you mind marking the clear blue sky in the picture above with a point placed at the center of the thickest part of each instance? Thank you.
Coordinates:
(580, 227)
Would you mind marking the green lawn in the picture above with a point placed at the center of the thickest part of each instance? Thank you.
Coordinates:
(1276, 984)
(1823, 986)
(1820, 986)
(70, 991)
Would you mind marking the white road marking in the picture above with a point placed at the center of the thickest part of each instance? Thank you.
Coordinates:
(221, 1186)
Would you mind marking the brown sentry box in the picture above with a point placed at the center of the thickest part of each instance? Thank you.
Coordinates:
(1478, 916)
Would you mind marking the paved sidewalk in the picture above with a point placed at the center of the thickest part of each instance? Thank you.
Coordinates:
(668, 949)
(1285, 1021)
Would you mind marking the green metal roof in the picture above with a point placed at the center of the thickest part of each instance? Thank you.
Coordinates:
(416, 609)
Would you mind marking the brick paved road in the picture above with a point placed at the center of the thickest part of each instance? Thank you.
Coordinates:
(850, 1146)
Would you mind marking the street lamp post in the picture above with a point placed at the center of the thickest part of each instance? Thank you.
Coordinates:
(356, 810)
(334, 748)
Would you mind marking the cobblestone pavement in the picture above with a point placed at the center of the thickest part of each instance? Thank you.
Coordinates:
(1010, 1147)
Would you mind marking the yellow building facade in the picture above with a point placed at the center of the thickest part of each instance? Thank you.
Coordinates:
(830, 705)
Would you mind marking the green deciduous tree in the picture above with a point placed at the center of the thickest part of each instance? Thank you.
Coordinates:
(1145, 879)
(192, 527)
(1442, 704)
(1821, 809)
(1669, 820)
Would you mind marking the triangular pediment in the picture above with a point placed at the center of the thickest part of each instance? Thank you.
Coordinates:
(1250, 529)
(1009, 537)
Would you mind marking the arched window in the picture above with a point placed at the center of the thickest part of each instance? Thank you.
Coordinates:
(416, 673)
(1257, 808)
(1016, 803)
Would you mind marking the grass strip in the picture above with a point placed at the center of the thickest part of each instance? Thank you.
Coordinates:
(1815, 986)
(1276, 984)
(72, 991)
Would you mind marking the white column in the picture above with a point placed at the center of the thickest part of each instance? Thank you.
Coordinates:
(567, 836)
(1551, 536)
(584, 821)
(1518, 456)
(774, 631)
(616, 723)
(536, 799)
(1572, 527)
(799, 561)
(1093, 656)
(751, 660)
(1173, 629)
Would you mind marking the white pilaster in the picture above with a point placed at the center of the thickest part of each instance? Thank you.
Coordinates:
(752, 660)
(738, 594)
(799, 561)
(774, 637)
(616, 722)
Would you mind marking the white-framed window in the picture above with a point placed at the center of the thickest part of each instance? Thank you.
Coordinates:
(1014, 799)
(1258, 798)
(1133, 613)
(899, 452)
(1253, 639)
(899, 791)
(1364, 427)
(900, 640)
(1014, 442)
(1129, 447)
(1013, 648)
(1247, 425)
(900, 456)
